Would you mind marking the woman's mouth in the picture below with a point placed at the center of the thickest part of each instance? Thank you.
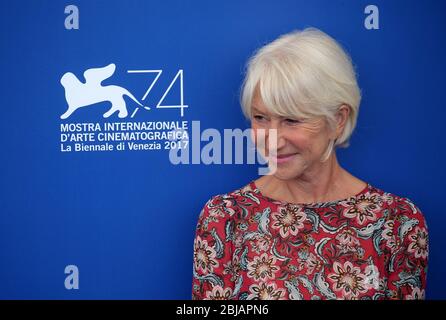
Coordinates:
(282, 158)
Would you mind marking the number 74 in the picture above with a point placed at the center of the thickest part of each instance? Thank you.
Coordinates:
(160, 105)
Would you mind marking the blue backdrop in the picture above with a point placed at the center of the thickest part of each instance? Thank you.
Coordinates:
(126, 218)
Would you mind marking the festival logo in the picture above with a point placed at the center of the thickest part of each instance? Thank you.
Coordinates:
(121, 131)
(79, 94)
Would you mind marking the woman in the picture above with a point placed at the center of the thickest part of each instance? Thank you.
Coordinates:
(310, 229)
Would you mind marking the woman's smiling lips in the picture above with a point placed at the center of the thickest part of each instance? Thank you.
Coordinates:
(282, 158)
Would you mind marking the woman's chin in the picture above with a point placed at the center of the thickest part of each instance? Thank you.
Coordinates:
(285, 172)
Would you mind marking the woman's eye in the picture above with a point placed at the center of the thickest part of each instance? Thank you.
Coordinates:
(292, 121)
(259, 118)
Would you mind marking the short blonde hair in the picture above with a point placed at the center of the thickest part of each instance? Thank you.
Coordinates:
(304, 74)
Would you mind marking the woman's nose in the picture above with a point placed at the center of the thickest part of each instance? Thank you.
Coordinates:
(281, 141)
(275, 138)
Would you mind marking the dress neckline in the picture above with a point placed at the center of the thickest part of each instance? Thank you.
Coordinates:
(257, 191)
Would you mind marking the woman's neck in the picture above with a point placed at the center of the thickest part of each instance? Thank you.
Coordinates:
(328, 182)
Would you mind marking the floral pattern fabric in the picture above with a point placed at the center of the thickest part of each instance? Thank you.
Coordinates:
(373, 245)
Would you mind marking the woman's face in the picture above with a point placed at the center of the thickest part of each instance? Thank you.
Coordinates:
(301, 144)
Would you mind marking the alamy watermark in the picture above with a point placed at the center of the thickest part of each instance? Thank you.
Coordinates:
(72, 279)
(233, 146)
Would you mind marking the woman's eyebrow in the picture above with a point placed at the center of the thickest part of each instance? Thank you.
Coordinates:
(254, 109)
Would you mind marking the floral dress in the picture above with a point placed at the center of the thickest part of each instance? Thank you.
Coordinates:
(373, 245)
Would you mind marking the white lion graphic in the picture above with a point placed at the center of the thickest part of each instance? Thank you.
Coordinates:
(79, 94)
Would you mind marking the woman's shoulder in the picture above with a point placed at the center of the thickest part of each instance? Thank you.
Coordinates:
(401, 207)
(229, 203)
(405, 231)
(392, 199)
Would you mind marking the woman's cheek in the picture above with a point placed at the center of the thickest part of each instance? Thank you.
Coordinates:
(258, 136)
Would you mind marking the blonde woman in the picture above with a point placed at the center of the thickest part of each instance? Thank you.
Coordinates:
(310, 230)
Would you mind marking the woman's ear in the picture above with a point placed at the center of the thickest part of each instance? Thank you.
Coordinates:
(341, 118)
